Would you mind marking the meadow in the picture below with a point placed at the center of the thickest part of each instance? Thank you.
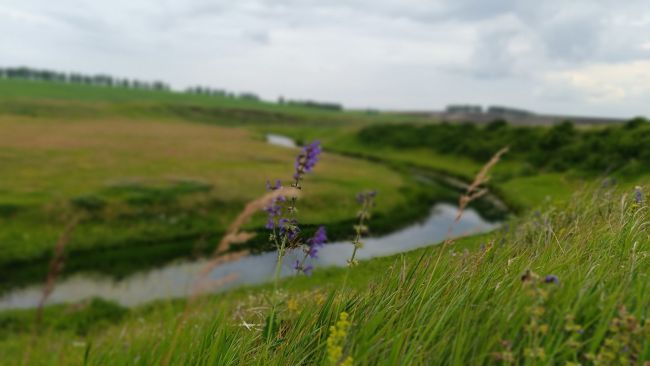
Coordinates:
(154, 176)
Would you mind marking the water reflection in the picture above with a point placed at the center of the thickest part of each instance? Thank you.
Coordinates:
(280, 140)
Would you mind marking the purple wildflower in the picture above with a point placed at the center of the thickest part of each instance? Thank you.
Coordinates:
(289, 228)
(317, 241)
(307, 270)
(551, 279)
(274, 210)
(638, 195)
(307, 159)
(277, 185)
(270, 224)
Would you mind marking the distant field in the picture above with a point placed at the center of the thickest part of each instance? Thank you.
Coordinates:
(72, 100)
(146, 179)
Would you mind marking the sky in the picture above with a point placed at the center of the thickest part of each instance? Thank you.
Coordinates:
(553, 56)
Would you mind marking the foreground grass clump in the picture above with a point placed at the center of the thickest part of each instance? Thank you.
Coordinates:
(567, 286)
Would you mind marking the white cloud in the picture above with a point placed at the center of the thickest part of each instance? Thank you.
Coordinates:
(607, 82)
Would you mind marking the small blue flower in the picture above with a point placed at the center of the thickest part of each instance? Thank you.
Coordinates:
(551, 279)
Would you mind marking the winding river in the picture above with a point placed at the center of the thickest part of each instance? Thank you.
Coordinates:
(177, 278)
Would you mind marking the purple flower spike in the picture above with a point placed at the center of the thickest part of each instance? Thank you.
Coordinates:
(317, 241)
(307, 159)
(552, 279)
(319, 238)
(638, 195)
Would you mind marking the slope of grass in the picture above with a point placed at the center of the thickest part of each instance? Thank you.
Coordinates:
(566, 286)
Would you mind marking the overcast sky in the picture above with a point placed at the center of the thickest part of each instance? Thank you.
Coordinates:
(558, 56)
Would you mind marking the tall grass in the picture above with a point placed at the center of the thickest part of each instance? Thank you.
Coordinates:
(493, 305)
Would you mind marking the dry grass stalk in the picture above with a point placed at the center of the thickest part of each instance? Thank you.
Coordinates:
(474, 190)
(56, 266)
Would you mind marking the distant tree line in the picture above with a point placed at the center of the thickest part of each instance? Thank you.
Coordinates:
(206, 90)
(311, 104)
(622, 148)
(26, 73)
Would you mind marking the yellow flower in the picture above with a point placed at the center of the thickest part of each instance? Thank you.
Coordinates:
(292, 304)
(320, 298)
(336, 340)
